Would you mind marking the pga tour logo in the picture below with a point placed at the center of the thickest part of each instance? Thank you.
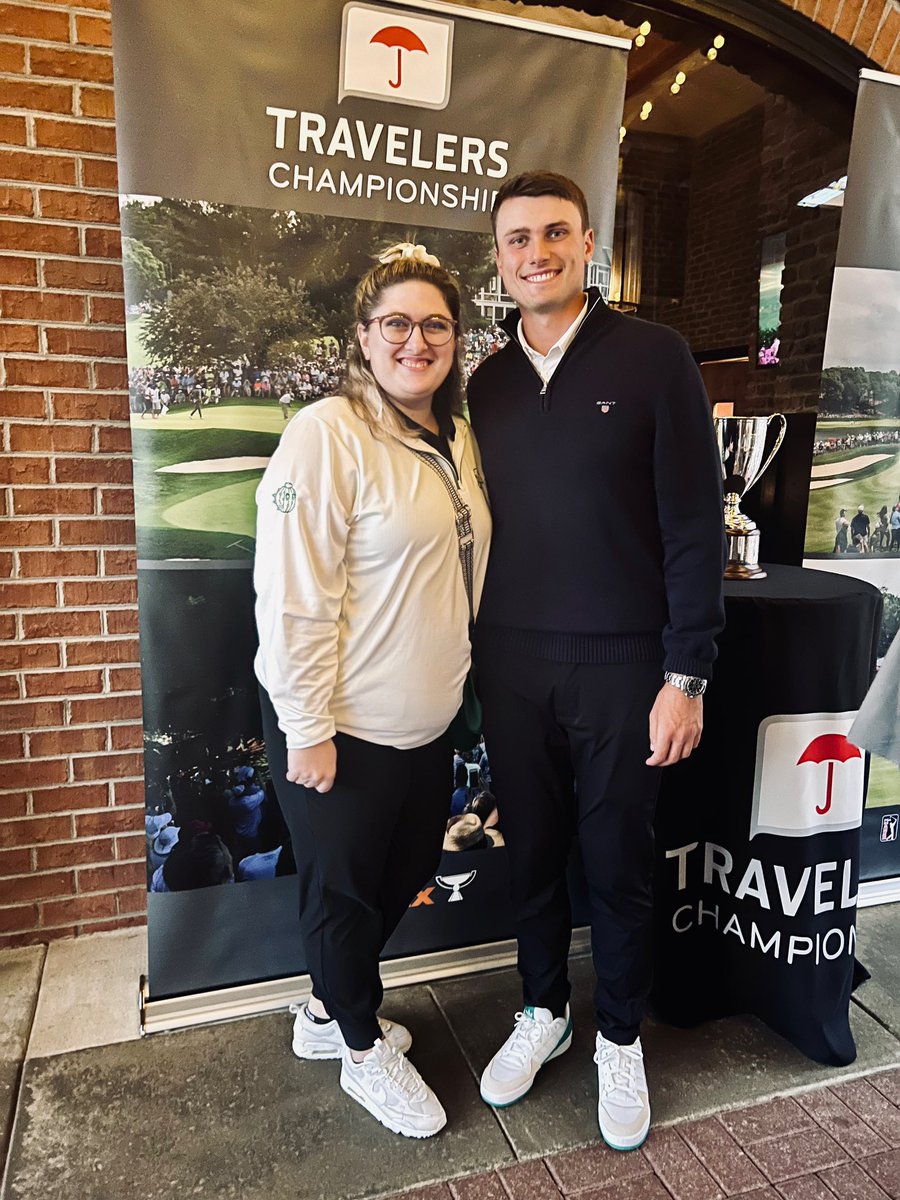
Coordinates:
(809, 777)
(386, 54)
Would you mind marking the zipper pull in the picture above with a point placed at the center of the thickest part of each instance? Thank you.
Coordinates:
(545, 403)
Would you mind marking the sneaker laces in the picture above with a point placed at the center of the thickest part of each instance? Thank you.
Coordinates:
(396, 1070)
(524, 1040)
(623, 1069)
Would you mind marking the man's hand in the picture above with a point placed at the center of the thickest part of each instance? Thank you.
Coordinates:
(314, 767)
(676, 722)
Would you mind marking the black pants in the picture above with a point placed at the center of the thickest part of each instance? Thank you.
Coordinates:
(567, 745)
(363, 851)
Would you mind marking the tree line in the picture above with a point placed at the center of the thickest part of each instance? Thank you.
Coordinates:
(860, 393)
(220, 283)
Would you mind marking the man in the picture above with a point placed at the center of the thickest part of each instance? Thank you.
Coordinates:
(841, 525)
(859, 529)
(605, 572)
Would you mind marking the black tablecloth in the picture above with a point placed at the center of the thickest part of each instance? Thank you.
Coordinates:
(797, 653)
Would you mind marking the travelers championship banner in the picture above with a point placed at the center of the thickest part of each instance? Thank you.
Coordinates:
(853, 523)
(267, 152)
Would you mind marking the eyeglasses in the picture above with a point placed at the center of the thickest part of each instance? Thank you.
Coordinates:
(397, 328)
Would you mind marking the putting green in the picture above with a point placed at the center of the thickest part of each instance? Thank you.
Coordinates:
(264, 417)
(229, 509)
(884, 784)
(177, 513)
(847, 425)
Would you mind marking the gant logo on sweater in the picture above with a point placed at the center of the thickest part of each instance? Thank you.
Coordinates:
(606, 405)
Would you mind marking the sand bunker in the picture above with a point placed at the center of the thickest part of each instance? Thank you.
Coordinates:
(848, 464)
(209, 465)
(825, 483)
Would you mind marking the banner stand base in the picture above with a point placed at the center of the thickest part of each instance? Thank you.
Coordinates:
(879, 891)
(254, 999)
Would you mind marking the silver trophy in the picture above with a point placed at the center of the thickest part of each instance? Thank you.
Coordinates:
(742, 445)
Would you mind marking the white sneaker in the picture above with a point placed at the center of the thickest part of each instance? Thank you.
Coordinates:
(314, 1039)
(392, 1090)
(537, 1037)
(623, 1109)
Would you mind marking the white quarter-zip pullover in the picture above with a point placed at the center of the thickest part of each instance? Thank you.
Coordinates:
(361, 607)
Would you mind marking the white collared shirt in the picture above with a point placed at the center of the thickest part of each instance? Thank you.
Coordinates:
(546, 364)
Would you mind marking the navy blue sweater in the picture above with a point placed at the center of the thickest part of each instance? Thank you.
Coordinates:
(606, 497)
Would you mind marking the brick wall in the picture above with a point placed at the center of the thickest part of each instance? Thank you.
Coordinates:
(721, 265)
(659, 168)
(804, 148)
(872, 26)
(708, 206)
(71, 837)
(71, 828)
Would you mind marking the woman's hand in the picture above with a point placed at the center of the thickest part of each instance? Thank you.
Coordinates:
(313, 767)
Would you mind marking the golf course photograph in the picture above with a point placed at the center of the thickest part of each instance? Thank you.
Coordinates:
(195, 487)
(236, 318)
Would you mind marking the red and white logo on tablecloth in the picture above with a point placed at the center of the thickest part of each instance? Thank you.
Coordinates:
(809, 777)
(387, 54)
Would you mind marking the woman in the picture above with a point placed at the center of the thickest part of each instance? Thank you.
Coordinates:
(363, 620)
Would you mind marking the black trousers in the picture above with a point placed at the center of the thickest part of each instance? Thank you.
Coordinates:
(567, 745)
(363, 851)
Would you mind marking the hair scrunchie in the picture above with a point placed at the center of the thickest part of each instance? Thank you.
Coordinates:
(408, 250)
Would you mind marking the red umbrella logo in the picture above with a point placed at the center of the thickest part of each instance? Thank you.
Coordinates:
(398, 38)
(830, 748)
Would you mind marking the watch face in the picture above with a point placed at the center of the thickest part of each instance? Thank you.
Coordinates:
(695, 688)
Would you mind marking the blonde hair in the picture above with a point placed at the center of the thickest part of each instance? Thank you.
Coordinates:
(400, 264)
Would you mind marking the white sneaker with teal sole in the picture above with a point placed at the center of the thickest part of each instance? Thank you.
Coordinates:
(537, 1037)
(388, 1086)
(317, 1039)
(623, 1109)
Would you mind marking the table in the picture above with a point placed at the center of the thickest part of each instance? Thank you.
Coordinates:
(758, 832)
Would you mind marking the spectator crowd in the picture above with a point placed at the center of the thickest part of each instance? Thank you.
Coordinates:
(153, 391)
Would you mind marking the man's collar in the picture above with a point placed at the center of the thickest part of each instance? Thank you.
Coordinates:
(562, 342)
(510, 323)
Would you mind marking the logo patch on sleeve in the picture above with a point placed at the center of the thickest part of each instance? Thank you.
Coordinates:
(285, 498)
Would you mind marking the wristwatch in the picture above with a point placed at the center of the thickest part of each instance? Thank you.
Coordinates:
(691, 685)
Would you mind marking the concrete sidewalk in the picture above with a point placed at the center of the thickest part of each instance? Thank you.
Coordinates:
(227, 1111)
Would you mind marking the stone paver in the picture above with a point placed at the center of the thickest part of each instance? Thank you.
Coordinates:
(529, 1181)
(888, 1083)
(679, 1167)
(850, 1182)
(885, 1169)
(848, 1129)
(479, 1187)
(766, 1120)
(810, 1187)
(781, 1158)
(873, 1106)
(645, 1187)
(596, 1166)
(722, 1156)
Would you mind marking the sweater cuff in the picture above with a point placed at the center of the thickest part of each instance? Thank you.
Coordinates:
(306, 732)
(682, 664)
